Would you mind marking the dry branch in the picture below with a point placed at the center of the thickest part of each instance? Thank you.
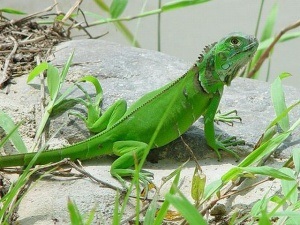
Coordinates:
(266, 53)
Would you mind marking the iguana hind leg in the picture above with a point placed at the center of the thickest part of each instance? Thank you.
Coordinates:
(130, 152)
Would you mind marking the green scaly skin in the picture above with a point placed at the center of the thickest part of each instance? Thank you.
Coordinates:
(122, 132)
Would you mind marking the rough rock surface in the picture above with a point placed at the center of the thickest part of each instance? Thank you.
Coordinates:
(128, 73)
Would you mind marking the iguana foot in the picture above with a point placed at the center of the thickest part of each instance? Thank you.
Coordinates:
(230, 141)
(145, 177)
(228, 117)
(222, 144)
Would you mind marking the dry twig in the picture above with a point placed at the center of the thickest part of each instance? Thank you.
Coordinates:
(266, 53)
(5, 75)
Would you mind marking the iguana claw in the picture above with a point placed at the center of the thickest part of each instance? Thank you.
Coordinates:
(227, 117)
(222, 144)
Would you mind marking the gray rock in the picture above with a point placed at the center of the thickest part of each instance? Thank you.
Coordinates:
(128, 73)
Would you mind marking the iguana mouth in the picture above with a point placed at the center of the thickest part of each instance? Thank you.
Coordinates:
(252, 45)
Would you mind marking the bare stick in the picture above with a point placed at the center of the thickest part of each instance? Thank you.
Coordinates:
(30, 41)
(31, 16)
(71, 10)
(5, 76)
(82, 171)
(43, 98)
(266, 53)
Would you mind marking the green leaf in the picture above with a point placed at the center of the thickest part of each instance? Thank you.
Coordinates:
(65, 105)
(76, 218)
(12, 11)
(264, 219)
(37, 70)
(212, 188)
(53, 81)
(151, 211)
(181, 4)
(259, 206)
(11, 130)
(198, 184)
(164, 207)
(266, 33)
(296, 159)
(288, 186)
(283, 114)
(295, 215)
(92, 80)
(66, 68)
(286, 37)
(278, 99)
(117, 7)
(265, 149)
(186, 209)
(270, 22)
(269, 171)
(91, 216)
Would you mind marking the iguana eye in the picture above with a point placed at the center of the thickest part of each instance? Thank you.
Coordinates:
(235, 41)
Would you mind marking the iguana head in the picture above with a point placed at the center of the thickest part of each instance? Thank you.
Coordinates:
(232, 53)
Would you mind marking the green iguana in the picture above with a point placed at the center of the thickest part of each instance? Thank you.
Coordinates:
(127, 132)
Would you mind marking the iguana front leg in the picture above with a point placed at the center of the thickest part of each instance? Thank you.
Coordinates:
(209, 130)
(129, 153)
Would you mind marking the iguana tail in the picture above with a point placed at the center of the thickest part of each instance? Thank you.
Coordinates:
(81, 150)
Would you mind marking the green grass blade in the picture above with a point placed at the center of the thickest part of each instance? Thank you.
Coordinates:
(288, 186)
(269, 171)
(125, 31)
(164, 207)
(97, 85)
(259, 206)
(53, 81)
(94, 81)
(151, 211)
(211, 188)
(91, 216)
(75, 217)
(180, 4)
(286, 37)
(12, 11)
(37, 70)
(266, 33)
(12, 132)
(278, 99)
(268, 146)
(296, 159)
(283, 114)
(293, 216)
(264, 219)
(64, 105)
(186, 209)
(116, 217)
(117, 7)
(66, 68)
(8, 199)
(270, 23)
(264, 149)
